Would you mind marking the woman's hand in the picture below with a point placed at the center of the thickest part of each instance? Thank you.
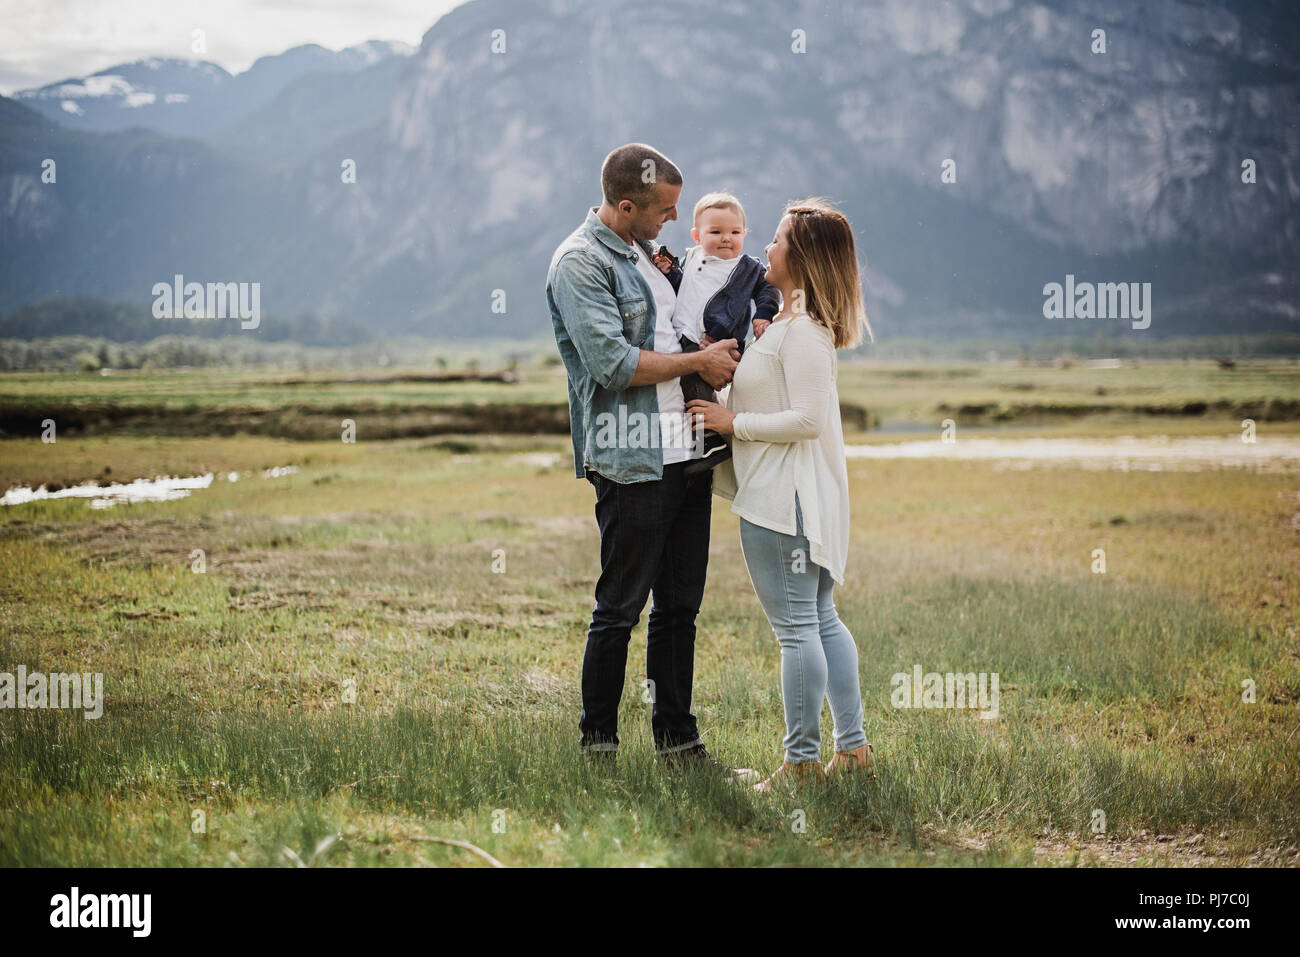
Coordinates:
(709, 415)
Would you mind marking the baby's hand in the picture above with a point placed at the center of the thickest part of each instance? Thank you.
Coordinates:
(760, 326)
(665, 260)
(707, 340)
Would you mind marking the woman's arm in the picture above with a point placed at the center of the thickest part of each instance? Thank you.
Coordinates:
(808, 363)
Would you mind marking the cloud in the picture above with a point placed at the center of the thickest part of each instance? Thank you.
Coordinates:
(48, 40)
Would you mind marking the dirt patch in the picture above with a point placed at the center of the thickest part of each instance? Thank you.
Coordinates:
(1261, 410)
(301, 422)
(1163, 850)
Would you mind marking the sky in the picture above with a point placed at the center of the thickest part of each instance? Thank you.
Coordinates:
(46, 40)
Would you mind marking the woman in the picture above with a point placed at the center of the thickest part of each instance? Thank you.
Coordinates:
(789, 483)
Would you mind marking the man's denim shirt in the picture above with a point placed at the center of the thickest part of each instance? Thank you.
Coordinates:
(603, 312)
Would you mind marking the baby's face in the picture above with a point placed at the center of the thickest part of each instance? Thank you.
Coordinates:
(720, 232)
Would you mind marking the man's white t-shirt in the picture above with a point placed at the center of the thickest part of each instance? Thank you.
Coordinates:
(677, 444)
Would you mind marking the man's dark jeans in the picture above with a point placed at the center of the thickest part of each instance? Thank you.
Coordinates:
(654, 539)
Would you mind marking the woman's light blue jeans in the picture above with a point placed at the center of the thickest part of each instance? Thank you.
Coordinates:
(819, 659)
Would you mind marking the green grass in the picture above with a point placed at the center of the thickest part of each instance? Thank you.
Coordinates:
(373, 566)
(312, 405)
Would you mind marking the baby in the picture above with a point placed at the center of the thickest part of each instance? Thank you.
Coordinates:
(716, 285)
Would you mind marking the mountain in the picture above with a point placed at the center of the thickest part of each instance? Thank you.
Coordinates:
(471, 166)
(122, 322)
(126, 210)
(191, 97)
(303, 118)
(167, 94)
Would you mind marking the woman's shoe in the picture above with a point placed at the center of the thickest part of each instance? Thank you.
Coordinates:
(859, 759)
(789, 773)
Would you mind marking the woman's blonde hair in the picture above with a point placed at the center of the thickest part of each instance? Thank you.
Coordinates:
(823, 260)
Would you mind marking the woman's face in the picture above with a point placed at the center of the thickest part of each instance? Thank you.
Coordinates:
(777, 273)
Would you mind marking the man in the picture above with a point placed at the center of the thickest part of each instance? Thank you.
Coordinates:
(612, 313)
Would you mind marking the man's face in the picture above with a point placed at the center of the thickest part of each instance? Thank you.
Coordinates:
(647, 220)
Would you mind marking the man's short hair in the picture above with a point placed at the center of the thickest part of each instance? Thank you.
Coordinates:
(631, 172)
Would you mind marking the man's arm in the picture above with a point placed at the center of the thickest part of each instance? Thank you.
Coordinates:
(590, 315)
(714, 363)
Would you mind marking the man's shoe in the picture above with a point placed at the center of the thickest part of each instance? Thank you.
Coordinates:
(846, 762)
(599, 756)
(699, 757)
(789, 774)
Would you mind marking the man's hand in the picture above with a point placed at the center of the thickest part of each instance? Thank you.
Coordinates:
(718, 362)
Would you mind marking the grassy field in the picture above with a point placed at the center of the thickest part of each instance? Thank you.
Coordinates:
(385, 405)
(349, 676)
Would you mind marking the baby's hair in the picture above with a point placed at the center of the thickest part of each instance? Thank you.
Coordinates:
(718, 201)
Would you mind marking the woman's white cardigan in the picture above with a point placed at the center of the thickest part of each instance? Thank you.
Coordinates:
(788, 438)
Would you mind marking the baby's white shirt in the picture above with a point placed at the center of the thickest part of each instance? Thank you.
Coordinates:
(702, 276)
